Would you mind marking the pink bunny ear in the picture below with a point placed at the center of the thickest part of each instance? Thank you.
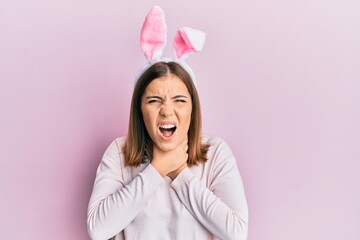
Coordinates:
(153, 34)
(188, 40)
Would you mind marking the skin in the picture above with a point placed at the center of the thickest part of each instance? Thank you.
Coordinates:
(167, 100)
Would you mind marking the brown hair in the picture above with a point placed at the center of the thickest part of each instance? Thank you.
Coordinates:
(138, 145)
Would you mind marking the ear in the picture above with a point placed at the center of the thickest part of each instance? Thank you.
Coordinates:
(188, 40)
(153, 34)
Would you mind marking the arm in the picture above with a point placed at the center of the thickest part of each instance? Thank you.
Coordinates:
(222, 207)
(114, 203)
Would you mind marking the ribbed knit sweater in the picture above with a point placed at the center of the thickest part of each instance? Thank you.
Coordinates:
(203, 202)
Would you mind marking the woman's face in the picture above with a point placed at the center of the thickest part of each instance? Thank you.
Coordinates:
(166, 108)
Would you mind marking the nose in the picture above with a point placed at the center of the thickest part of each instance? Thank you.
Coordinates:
(166, 110)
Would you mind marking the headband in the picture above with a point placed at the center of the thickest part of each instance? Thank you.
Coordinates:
(153, 40)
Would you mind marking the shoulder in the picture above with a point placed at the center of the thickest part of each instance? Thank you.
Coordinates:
(219, 152)
(116, 145)
(215, 143)
(220, 159)
(113, 152)
(119, 141)
(112, 162)
(211, 139)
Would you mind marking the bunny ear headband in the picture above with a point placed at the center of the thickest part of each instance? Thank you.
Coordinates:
(153, 40)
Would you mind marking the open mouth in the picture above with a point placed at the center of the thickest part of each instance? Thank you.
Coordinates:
(167, 130)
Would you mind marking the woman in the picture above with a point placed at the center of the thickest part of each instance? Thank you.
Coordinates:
(164, 180)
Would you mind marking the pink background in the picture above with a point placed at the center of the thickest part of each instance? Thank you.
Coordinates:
(279, 81)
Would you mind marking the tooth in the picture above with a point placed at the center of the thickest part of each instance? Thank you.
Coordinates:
(167, 126)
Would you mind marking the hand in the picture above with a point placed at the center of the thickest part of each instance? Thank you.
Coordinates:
(172, 162)
(175, 173)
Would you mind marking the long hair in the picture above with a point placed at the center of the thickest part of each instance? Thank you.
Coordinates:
(138, 145)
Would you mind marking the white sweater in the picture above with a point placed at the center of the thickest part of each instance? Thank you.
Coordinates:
(204, 202)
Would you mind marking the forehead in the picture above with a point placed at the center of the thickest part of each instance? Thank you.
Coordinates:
(170, 84)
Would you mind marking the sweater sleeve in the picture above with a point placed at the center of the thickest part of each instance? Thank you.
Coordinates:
(222, 207)
(113, 203)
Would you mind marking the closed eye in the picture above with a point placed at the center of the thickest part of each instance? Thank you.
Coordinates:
(180, 98)
(154, 99)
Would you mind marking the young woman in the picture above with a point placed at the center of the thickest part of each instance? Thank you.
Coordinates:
(164, 180)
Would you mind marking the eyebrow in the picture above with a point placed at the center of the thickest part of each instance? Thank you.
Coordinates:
(177, 96)
(153, 97)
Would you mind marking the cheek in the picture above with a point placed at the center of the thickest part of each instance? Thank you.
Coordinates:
(150, 118)
(147, 118)
(187, 116)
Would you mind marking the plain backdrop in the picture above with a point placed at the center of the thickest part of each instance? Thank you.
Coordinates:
(278, 80)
